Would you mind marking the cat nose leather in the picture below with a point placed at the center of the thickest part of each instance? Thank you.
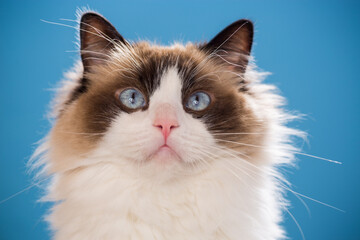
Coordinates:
(165, 119)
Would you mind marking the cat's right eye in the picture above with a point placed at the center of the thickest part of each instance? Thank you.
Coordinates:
(198, 101)
(131, 98)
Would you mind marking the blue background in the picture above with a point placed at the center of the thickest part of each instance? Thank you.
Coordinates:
(312, 47)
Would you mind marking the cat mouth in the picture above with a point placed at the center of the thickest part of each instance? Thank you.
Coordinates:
(165, 154)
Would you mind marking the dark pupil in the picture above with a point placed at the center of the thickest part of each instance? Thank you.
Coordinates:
(196, 100)
(132, 98)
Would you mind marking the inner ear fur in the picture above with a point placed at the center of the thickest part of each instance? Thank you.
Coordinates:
(233, 45)
(97, 37)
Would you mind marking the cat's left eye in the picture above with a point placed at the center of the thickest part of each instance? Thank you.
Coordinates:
(131, 98)
(198, 101)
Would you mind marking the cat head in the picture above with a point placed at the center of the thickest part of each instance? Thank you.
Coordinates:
(173, 109)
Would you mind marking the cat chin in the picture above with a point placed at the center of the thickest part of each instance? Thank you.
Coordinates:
(165, 155)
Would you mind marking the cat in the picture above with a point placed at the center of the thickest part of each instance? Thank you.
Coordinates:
(166, 142)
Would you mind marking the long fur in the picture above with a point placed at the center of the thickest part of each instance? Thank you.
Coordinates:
(104, 197)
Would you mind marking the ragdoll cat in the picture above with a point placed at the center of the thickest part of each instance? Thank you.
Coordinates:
(166, 142)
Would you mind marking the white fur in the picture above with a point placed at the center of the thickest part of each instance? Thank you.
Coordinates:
(117, 195)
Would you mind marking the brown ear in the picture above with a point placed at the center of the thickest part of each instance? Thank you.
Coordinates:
(233, 45)
(97, 38)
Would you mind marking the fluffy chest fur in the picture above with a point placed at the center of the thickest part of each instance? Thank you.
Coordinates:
(104, 202)
(153, 142)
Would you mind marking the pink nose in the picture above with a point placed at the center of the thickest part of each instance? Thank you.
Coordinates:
(166, 125)
(165, 120)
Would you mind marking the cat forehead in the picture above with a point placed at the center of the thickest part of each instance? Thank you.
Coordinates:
(146, 66)
(169, 90)
(147, 55)
(153, 61)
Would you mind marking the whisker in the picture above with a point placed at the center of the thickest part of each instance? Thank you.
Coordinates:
(294, 152)
(99, 33)
(312, 199)
(229, 169)
(227, 39)
(304, 203)
(24, 190)
(233, 64)
(321, 158)
(83, 133)
(242, 133)
(227, 152)
(285, 187)
(69, 20)
(88, 51)
(297, 224)
(99, 59)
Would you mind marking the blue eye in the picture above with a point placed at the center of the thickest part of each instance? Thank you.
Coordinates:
(198, 101)
(132, 98)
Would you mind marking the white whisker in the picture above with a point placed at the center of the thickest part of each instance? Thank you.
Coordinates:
(297, 224)
(24, 190)
(312, 199)
(294, 152)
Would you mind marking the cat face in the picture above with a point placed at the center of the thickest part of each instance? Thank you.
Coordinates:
(168, 109)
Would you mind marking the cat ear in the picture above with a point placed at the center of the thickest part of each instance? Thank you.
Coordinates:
(233, 45)
(97, 38)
